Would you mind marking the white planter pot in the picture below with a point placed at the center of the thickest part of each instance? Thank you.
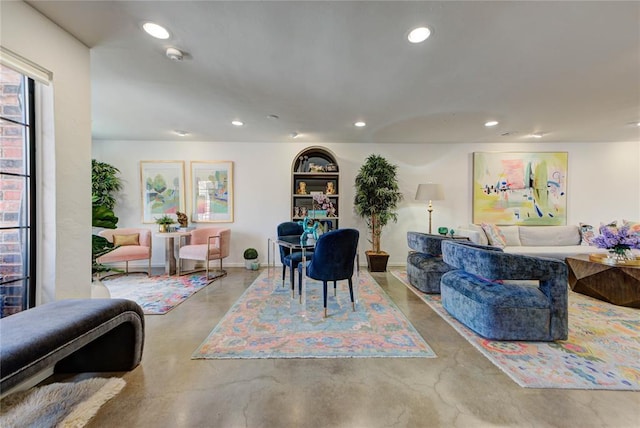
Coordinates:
(252, 264)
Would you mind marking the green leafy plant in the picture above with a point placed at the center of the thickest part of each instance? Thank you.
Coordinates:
(165, 219)
(250, 254)
(105, 184)
(377, 196)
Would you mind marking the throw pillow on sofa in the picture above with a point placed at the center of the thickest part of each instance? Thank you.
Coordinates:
(586, 234)
(634, 226)
(494, 235)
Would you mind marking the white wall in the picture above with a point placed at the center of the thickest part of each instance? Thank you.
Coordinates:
(66, 236)
(603, 184)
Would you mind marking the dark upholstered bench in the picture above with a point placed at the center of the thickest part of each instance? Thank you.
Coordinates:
(77, 335)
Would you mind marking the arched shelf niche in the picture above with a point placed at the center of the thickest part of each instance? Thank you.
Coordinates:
(315, 171)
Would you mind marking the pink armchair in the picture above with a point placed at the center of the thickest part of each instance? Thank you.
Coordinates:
(206, 244)
(133, 244)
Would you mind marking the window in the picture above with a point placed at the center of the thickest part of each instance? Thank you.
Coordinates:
(17, 192)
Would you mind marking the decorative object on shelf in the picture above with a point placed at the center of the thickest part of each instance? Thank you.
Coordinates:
(323, 205)
(331, 167)
(302, 188)
(443, 231)
(452, 232)
(376, 200)
(251, 259)
(164, 223)
(430, 192)
(517, 188)
(212, 193)
(315, 168)
(619, 242)
(302, 164)
(183, 220)
(331, 188)
(162, 185)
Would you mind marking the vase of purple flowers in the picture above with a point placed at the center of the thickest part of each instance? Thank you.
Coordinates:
(619, 242)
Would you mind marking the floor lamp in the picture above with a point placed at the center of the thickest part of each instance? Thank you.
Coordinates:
(430, 192)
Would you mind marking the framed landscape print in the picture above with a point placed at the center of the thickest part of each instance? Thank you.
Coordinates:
(162, 184)
(520, 188)
(212, 191)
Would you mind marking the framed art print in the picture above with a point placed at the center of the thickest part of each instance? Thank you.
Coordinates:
(212, 191)
(520, 188)
(162, 185)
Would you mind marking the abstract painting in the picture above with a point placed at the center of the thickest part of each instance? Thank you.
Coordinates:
(212, 191)
(162, 185)
(519, 188)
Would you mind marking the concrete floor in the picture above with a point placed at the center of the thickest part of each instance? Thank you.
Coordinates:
(460, 388)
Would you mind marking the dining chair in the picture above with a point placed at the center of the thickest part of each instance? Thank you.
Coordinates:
(131, 244)
(291, 258)
(333, 260)
(206, 244)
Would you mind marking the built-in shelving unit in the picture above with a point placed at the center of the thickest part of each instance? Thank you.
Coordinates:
(315, 172)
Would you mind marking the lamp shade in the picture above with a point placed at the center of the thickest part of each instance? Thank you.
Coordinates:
(430, 192)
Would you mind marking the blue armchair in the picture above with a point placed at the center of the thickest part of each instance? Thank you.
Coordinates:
(333, 260)
(486, 293)
(288, 257)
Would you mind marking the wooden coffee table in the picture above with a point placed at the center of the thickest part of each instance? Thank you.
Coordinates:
(618, 284)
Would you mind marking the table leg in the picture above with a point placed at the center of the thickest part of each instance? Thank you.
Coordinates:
(170, 257)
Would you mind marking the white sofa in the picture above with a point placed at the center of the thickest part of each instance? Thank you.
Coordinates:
(558, 242)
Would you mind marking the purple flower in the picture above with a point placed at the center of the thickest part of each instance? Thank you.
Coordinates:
(617, 239)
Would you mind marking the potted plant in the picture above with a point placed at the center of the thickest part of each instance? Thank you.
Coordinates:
(377, 197)
(105, 184)
(164, 222)
(251, 259)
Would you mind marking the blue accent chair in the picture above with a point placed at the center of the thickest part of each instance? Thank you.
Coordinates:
(425, 266)
(486, 292)
(288, 257)
(333, 260)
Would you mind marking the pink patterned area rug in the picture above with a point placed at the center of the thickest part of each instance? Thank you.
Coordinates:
(156, 295)
(266, 322)
(602, 351)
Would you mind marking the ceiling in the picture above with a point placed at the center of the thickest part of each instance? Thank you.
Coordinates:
(567, 69)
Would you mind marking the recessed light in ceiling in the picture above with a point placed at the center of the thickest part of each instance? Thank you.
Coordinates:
(419, 35)
(174, 54)
(294, 135)
(273, 116)
(537, 135)
(155, 30)
(180, 132)
(237, 122)
(491, 123)
(360, 124)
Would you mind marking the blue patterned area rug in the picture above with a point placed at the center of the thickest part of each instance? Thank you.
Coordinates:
(266, 322)
(602, 351)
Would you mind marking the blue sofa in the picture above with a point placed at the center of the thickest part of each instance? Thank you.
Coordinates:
(486, 292)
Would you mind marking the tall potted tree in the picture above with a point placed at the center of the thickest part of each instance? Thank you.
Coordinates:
(377, 197)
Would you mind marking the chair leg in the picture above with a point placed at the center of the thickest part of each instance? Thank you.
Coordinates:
(334, 288)
(284, 272)
(149, 269)
(324, 295)
(177, 267)
(353, 304)
(126, 267)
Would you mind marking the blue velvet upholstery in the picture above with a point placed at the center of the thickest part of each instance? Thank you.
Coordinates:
(290, 258)
(425, 266)
(333, 259)
(481, 293)
(72, 335)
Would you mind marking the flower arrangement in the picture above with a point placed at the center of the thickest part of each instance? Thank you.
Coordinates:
(617, 241)
(322, 202)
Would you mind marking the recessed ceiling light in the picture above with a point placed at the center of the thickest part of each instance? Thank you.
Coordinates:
(419, 35)
(273, 116)
(180, 132)
(491, 123)
(537, 135)
(237, 122)
(360, 124)
(294, 135)
(155, 30)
